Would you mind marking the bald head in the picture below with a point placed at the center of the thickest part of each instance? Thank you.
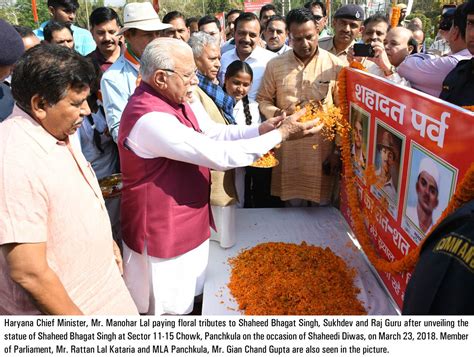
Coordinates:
(163, 53)
(397, 45)
(400, 32)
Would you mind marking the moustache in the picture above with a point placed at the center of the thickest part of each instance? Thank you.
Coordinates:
(108, 43)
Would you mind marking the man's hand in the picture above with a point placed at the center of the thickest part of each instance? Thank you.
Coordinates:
(352, 57)
(292, 129)
(118, 257)
(380, 58)
(271, 124)
(288, 110)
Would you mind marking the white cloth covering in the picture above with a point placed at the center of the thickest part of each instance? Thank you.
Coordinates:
(319, 226)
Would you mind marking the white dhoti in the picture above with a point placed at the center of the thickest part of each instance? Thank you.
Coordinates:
(165, 286)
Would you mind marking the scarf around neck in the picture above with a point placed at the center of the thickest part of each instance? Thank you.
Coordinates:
(223, 101)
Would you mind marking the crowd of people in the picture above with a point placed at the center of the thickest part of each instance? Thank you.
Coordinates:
(176, 105)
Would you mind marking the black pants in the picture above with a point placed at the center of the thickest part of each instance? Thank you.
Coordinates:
(258, 189)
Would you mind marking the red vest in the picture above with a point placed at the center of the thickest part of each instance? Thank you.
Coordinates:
(165, 203)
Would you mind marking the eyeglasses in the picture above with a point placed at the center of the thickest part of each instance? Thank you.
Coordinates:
(186, 78)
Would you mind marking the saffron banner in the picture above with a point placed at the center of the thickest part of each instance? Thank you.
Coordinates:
(420, 148)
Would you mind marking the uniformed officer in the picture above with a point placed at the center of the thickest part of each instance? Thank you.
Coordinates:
(443, 280)
(347, 24)
(458, 86)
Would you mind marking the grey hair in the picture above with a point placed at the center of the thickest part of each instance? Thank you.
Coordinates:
(199, 40)
(161, 54)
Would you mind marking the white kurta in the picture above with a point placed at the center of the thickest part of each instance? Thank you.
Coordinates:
(258, 60)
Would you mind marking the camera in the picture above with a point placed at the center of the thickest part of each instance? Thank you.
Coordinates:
(363, 50)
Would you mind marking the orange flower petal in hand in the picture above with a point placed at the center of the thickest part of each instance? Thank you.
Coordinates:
(266, 161)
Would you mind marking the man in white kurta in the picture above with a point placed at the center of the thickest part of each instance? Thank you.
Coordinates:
(247, 49)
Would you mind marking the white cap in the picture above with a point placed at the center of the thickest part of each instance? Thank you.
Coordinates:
(142, 16)
(428, 165)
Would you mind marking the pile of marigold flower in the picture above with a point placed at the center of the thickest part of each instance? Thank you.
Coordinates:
(290, 279)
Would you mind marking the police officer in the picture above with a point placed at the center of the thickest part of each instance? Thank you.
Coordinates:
(458, 86)
(443, 280)
(347, 24)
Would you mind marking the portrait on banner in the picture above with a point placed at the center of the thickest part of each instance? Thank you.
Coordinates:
(431, 184)
(387, 159)
(360, 123)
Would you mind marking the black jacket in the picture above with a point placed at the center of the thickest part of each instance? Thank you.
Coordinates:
(443, 280)
(458, 86)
